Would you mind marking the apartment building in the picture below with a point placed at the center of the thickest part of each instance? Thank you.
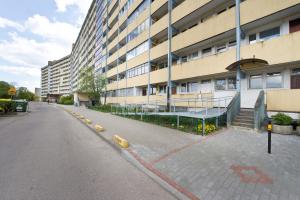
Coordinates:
(187, 48)
(45, 79)
(56, 78)
(83, 51)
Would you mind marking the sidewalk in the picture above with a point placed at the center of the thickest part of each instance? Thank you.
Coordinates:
(228, 166)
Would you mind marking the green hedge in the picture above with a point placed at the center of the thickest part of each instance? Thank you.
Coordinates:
(102, 108)
(66, 100)
(6, 105)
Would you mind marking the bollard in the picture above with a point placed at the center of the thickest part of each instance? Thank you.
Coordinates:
(269, 136)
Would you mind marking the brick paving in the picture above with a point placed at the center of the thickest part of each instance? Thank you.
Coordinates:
(232, 165)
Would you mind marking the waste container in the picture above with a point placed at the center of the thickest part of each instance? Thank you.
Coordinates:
(21, 105)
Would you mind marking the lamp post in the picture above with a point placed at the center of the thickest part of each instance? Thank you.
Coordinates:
(238, 45)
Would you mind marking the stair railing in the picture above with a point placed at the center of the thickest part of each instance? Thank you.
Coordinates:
(233, 108)
(259, 111)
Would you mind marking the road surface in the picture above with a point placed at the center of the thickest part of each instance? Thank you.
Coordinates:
(49, 155)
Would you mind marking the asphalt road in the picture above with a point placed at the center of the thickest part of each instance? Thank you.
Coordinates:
(49, 155)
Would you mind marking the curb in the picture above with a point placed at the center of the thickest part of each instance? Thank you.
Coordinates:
(125, 153)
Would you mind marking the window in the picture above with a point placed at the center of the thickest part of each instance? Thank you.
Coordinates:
(221, 48)
(252, 38)
(232, 44)
(184, 59)
(194, 54)
(138, 50)
(153, 91)
(274, 80)
(268, 34)
(162, 89)
(137, 12)
(255, 82)
(206, 51)
(138, 30)
(232, 83)
(183, 87)
(193, 87)
(295, 25)
(205, 82)
(296, 71)
(220, 84)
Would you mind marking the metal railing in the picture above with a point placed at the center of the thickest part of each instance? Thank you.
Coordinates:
(207, 106)
(259, 111)
(233, 108)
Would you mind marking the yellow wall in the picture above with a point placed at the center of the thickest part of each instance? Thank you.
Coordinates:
(283, 100)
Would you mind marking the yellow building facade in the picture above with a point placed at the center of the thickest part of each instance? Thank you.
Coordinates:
(134, 48)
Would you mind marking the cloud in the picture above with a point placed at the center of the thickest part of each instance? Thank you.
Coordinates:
(22, 51)
(4, 23)
(24, 71)
(55, 31)
(83, 5)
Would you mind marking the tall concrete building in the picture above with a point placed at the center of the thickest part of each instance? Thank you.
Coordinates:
(83, 51)
(56, 78)
(157, 50)
(45, 82)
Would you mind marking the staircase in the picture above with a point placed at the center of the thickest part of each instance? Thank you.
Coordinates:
(244, 119)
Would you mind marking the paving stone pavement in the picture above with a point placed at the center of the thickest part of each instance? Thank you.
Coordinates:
(232, 165)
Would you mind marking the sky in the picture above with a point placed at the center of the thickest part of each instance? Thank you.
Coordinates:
(32, 32)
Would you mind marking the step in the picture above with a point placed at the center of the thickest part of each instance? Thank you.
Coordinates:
(248, 125)
(250, 121)
(247, 113)
(244, 117)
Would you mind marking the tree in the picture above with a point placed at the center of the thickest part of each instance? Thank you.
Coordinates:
(4, 87)
(92, 84)
(24, 93)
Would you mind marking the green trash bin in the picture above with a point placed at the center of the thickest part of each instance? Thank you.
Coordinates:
(21, 105)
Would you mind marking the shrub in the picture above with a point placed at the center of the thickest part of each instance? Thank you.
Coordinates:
(282, 119)
(66, 100)
(6, 105)
(209, 128)
(102, 108)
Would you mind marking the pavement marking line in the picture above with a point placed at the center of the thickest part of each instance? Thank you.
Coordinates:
(182, 148)
(120, 141)
(172, 152)
(98, 128)
(164, 177)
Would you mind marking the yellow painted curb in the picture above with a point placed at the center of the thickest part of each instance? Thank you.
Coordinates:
(120, 141)
(87, 121)
(81, 117)
(98, 128)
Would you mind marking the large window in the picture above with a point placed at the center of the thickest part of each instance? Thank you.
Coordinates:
(274, 80)
(220, 84)
(162, 89)
(232, 83)
(138, 30)
(138, 50)
(255, 82)
(137, 12)
(270, 33)
(139, 70)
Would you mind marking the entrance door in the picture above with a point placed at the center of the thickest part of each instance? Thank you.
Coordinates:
(295, 82)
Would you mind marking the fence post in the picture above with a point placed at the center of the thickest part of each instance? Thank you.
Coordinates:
(177, 121)
(203, 126)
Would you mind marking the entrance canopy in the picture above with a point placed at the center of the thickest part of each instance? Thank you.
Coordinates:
(247, 64)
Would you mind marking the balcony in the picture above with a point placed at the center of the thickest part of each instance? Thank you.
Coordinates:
(141, 80)
(226, 21)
